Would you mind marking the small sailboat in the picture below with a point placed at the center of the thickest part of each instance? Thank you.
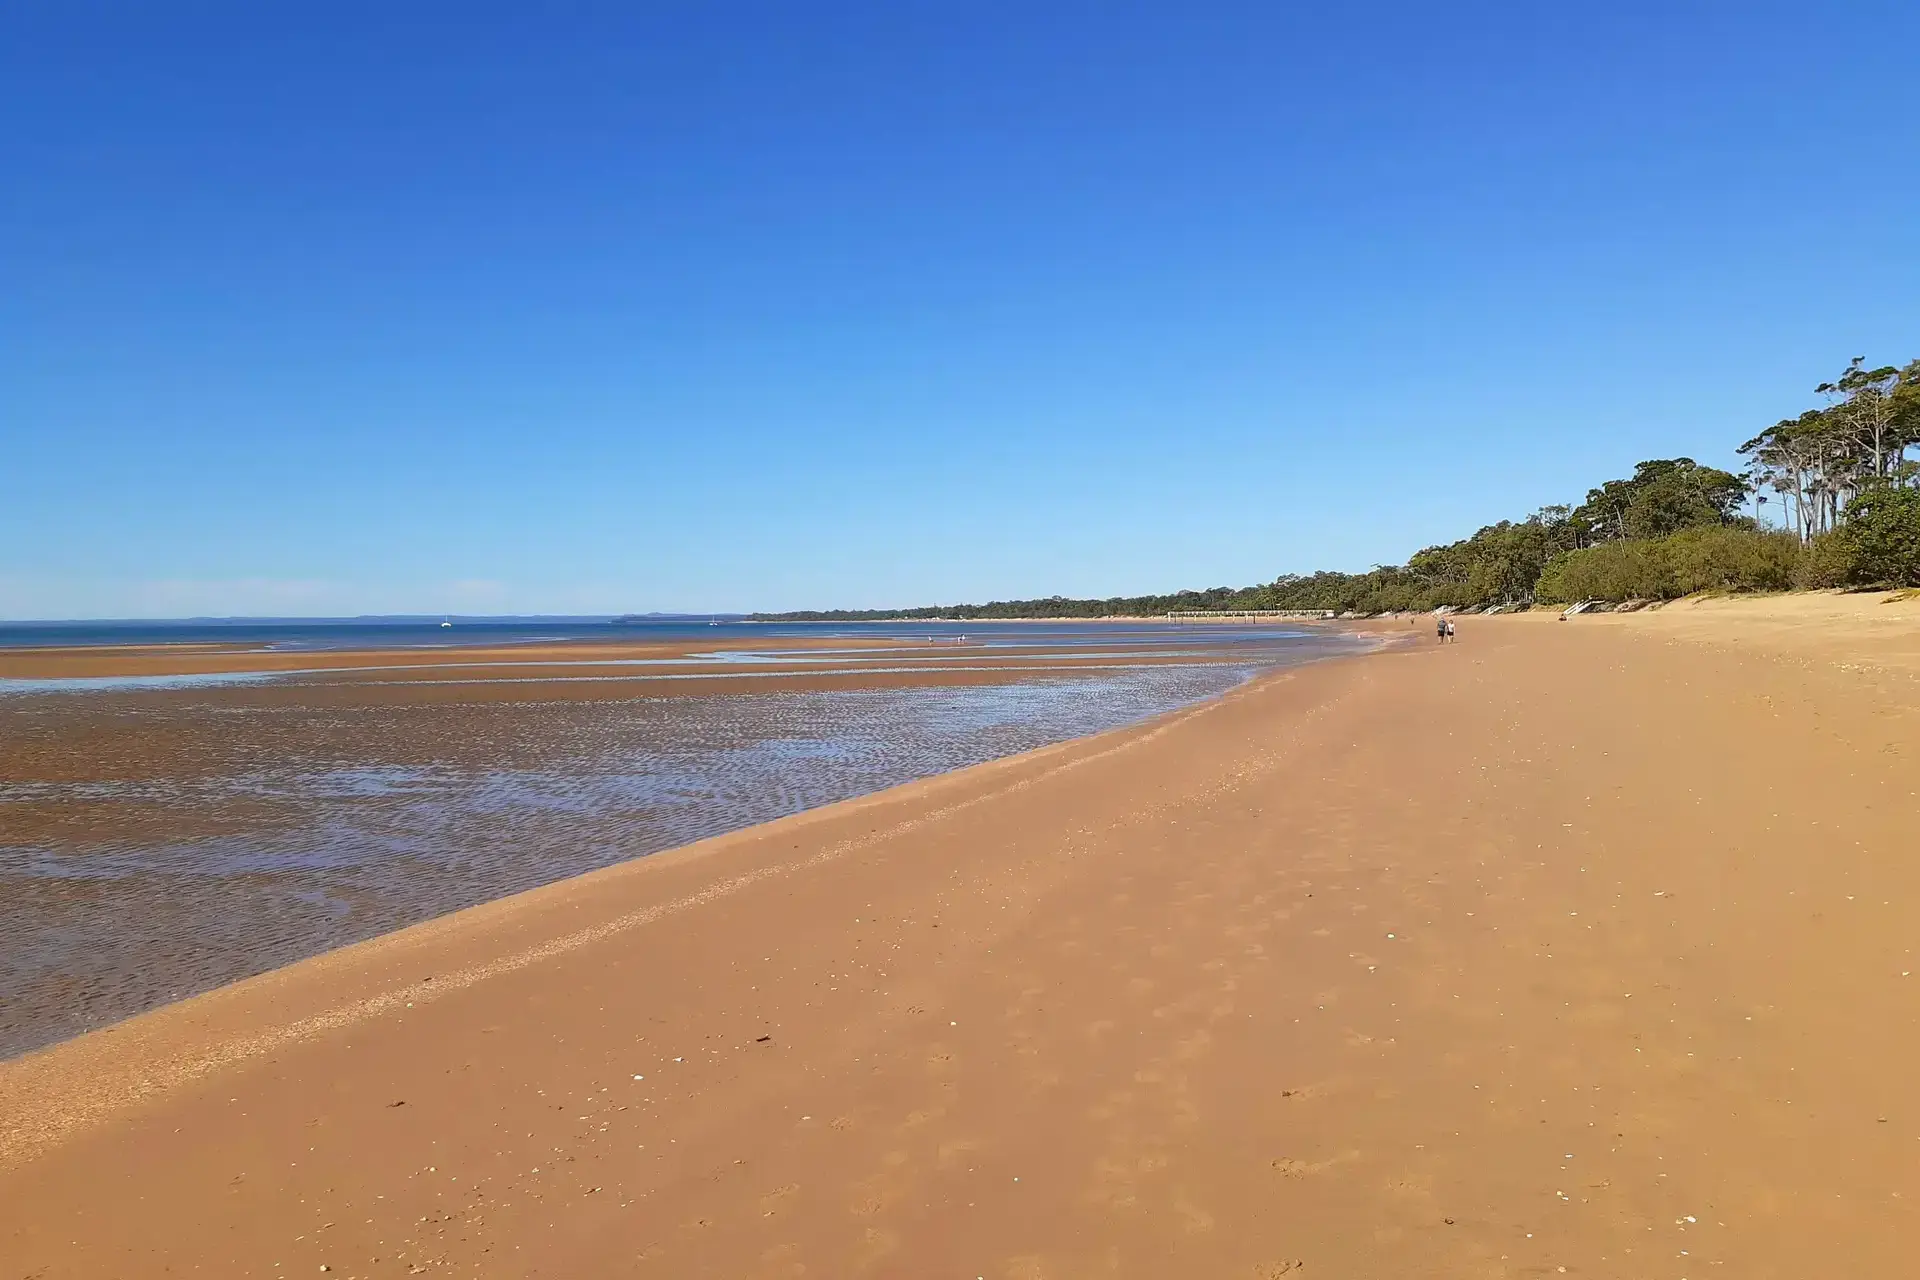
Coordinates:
(447, 621)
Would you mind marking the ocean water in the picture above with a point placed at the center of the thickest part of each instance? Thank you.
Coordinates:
(339, 633)
(363, 633)
(159, 842)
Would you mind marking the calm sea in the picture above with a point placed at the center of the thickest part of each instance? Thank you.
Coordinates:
(382, 633)
(346, 633)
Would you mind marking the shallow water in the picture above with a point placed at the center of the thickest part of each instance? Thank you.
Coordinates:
(264, 834)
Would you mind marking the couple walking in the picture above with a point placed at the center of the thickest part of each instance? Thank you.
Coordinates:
(1442, 630)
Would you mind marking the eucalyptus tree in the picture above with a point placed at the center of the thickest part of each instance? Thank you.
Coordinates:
(1905, 401)
(1809, 459)
(1663, 496)
(1862, 407)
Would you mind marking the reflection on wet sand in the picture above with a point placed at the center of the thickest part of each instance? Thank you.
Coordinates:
(163, 839)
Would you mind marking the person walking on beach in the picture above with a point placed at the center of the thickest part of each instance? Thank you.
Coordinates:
(1439, 630)
(1450, 636)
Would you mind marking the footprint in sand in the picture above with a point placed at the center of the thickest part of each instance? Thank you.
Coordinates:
(1305, 1092)
(876, 1244)
(770, 1202)
(1274, 1270)
(1411, 1185)
(1287, 1167)
(951, 1153)
(871, 1196)
(1117, 1178)
(1193, 1219)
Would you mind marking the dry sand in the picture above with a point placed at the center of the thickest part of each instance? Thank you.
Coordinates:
(1582, 948)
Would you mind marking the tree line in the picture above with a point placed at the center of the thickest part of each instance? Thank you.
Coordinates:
(1835, 502)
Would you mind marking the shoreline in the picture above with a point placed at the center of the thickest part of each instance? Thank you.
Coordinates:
(104, 661)
(149, 831)
(31, 1082)
(1528, 952)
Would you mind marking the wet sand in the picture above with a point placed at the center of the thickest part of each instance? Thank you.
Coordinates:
(157, 842)
(66, 662)
(181, 674)
(611, 657)
(1582, 945)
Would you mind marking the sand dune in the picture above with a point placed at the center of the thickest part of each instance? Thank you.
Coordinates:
(1582, 948)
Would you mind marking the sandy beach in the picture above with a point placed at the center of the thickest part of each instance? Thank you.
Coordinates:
(1579, 948)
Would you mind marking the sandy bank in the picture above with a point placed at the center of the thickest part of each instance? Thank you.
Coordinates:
(1583, 945)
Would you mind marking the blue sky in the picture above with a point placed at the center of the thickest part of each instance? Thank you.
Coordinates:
(338, 308)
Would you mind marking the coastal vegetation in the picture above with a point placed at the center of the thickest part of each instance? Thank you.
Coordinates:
(1835, 502)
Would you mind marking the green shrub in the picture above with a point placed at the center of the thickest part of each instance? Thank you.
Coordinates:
(1882, 537)
(1727, 558)
(1625, 570)
(1711, 558)
(1829, 562)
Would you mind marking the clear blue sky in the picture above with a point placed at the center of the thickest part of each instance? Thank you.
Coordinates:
(337, 308)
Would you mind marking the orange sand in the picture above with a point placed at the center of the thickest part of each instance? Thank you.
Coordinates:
(1584, 946)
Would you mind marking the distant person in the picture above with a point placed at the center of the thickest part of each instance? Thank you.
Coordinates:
(1450, 635)
(1440, 630)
